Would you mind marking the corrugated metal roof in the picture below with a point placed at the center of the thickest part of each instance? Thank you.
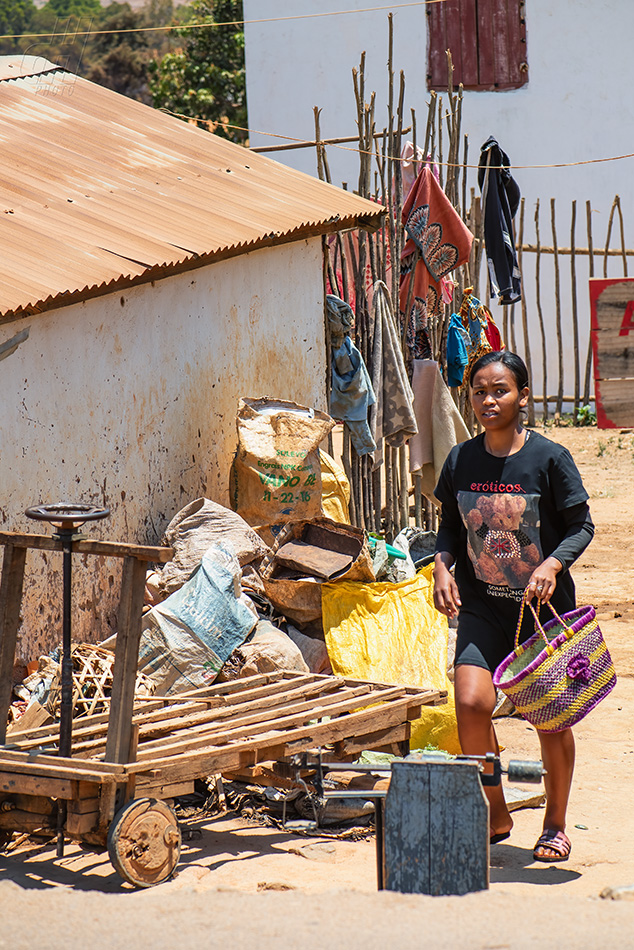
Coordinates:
(99, 192)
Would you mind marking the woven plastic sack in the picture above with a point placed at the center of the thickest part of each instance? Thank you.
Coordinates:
(187, 638)
(392, 633)
(561, 673)
(196, 528)
(276, 474)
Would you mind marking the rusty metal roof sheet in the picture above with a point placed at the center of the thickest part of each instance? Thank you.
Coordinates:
(99, 192)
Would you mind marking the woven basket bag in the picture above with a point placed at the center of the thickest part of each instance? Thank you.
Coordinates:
(557, 676)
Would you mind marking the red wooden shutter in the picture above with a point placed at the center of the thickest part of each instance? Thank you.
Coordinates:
(487, 39)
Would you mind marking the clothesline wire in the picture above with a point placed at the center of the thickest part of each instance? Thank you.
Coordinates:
(397, 158)
(196, 26)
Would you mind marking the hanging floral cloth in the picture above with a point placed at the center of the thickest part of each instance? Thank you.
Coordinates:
(437, 231)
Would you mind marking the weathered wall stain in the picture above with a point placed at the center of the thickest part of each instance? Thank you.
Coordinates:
(133, 406)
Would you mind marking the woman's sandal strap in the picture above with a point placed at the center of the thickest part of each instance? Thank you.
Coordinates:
(555, 841)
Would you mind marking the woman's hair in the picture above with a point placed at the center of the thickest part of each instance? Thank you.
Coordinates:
(514, 363)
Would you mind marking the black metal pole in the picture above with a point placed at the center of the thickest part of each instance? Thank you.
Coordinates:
(66, 705)
(380, 852)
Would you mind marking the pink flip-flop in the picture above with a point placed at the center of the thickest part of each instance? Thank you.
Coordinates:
(555, 841)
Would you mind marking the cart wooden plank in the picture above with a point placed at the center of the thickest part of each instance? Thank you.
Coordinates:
(87, 770)
(45, 542)
(351, 748)
(124, 672)
(35, 785)
(10, 600)
(199, 724)
(218, 757)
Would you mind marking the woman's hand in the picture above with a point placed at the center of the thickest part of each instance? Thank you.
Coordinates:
(446, 594)
(544, 580)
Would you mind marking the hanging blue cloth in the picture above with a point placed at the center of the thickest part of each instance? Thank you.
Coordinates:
(457, 357)
(352, 394)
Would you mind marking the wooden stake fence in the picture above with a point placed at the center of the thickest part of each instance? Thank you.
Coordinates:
(386, 499)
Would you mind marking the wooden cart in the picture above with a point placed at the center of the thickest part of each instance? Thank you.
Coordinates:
(179, 739)
(124, 764)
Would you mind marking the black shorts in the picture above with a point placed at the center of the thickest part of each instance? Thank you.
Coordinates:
(481, 645)
(486, 638)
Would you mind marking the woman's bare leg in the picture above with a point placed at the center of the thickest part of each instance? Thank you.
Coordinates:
(558, 756)
(475, 702)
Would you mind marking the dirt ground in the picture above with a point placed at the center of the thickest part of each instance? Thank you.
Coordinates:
(245, 886)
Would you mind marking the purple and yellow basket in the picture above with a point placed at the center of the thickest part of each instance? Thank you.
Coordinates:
(557, 676)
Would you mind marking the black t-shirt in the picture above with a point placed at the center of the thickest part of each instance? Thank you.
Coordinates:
(501, 517)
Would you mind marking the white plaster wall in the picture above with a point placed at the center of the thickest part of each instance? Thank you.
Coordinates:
(129, 401)
(576, 106)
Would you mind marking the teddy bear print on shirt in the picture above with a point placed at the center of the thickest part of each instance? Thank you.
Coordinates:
(500, 538)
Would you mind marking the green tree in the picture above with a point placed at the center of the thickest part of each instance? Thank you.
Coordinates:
(118, 57)
(74, 8)
(16, 17)
(205, 79)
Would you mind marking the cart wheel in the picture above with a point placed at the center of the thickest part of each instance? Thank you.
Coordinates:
(144, 842)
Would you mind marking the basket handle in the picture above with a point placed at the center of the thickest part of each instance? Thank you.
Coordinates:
(538, 625)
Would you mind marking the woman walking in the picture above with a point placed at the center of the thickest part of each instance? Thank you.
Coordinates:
(514, 517)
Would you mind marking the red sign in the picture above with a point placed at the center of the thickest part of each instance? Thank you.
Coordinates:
(612, 332)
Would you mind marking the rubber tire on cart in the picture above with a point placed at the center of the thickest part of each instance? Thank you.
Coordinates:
(144, 842)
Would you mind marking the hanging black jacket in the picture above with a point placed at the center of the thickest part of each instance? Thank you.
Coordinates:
(500, 201)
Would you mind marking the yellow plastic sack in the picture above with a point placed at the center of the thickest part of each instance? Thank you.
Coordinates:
(335, 490)
(392, 633)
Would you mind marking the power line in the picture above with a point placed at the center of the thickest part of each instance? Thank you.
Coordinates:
(301, 143)
(204, 26)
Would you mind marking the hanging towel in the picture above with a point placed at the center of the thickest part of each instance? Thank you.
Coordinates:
(437, 231)
(457, 357)
(340, 319)
(440, 425)
(500, 199)
(392, 417)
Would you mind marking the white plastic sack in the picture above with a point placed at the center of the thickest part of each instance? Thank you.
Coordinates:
(187, 638)
(196, 528)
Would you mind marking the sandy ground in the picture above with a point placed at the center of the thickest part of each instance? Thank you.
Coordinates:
(245, 886)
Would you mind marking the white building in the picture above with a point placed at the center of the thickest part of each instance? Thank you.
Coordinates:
(574, 107)
(151, 274)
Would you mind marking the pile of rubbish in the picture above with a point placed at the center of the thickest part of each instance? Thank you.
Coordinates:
(281, 581)
(264, 796)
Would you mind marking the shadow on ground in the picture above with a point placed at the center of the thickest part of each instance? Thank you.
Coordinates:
(510, 864)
